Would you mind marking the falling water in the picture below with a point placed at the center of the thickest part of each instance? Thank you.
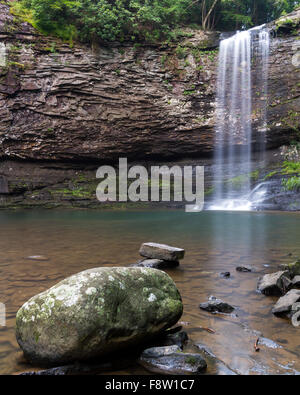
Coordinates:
(232, 176)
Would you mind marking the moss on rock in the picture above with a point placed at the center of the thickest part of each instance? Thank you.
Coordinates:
(96, 312)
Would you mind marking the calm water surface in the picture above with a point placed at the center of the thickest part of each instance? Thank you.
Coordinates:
(214, 242)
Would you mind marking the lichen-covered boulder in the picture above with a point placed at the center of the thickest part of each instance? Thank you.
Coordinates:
(97, 312)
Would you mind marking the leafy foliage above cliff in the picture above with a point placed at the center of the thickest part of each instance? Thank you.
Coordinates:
(144, 20)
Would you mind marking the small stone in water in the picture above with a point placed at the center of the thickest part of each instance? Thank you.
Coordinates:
(225, 274)
(37, 258)
(215, 305)
(243, 269)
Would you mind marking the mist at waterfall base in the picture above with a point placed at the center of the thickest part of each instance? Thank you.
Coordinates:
(233, 141)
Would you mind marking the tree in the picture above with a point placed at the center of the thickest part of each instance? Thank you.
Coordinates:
(145, 20)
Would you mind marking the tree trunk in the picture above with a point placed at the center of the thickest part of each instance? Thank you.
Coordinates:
(205, 23)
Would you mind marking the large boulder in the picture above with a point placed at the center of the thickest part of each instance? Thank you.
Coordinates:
(97, 312)
(161, 251)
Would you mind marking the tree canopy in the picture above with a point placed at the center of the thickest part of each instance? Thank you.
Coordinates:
(145, 20)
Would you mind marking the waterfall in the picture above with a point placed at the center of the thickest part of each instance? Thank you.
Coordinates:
(233, 135)
(2, 55)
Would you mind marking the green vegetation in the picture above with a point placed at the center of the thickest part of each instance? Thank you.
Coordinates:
(239, 181)
(291, 168)
(291, 184)
(271, 174)
(144, 20)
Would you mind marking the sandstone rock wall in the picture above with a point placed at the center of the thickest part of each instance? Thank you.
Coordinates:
(75, 103)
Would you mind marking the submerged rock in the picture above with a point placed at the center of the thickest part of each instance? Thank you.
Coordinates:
(225, 274)
(161, 251)
(179, 339)
(273, 284)
(215, 305)
(243, 269)
(215, 365)
(37, 258)
(171, 360)
(96, 312)
(156, 264)
(285, 303)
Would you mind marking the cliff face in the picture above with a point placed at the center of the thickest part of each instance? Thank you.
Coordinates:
(62, 103)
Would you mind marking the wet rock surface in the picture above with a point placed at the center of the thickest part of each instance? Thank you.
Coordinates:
(215, 305)
(157, 264)
(296, 282)
(243, 269)
(273, 284)
(285, 303)
(225, 274)
(171, 360)
(293, 268)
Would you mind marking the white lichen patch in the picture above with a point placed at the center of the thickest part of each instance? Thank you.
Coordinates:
(111, 278)
(152, 298)
(3, 55)
(91, 291)
(95, 274)
(68, 294)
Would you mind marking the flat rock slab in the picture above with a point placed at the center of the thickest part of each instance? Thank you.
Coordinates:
(273, 284)
(285, 303)
(156, 264)
(161, 251)
(171, 360)
(215, 305)
(95, 313)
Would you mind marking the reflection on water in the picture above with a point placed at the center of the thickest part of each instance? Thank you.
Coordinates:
(214, 241)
